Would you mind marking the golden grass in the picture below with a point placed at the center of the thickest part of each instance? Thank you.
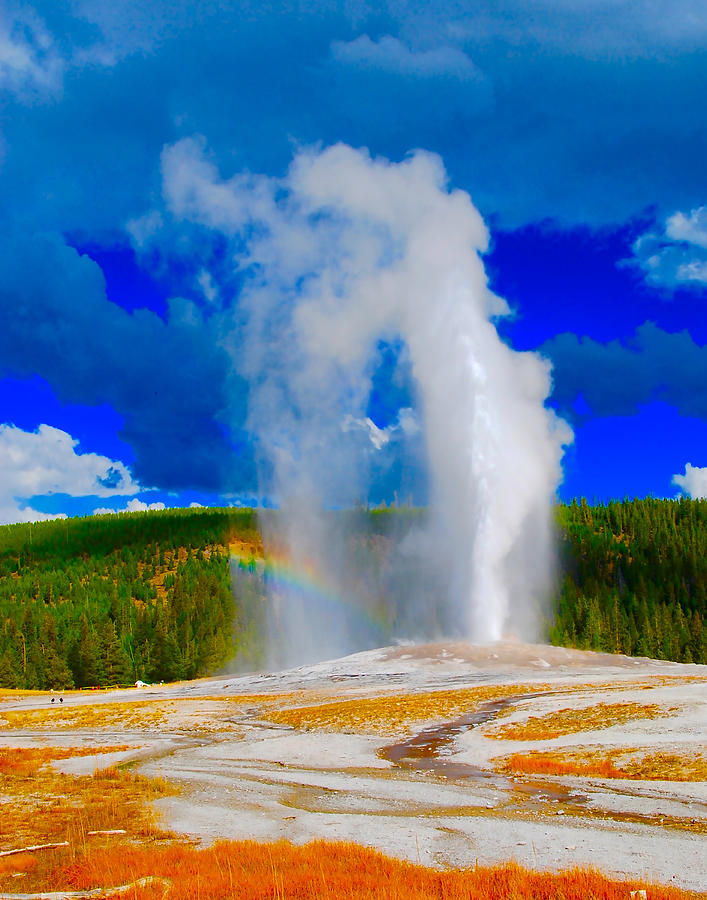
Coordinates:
(131, 715)
(569, 721)
(27, 761)
(281, 871)
(394, 714)
(616, 763)
(206, 713)
(41, 804)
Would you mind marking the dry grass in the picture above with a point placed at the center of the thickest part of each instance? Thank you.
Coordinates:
(25, 762)
(40, 804)
(252, 871)
(246, 549)
(198, 714)
(395, 714)
(135, 715)
(569, 721)
(603, 763)
(627, 683)
(17, 693)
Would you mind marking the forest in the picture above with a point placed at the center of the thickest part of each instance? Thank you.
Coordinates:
(633, 578)
(106, 600)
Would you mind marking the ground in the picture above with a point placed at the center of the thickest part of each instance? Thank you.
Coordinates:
(442, 754)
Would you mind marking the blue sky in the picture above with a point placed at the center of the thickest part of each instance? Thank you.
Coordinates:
(578, 129)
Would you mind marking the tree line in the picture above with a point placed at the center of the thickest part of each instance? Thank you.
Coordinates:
(107, 600)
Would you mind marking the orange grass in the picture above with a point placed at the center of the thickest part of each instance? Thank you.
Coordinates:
(254, 871)
(27, 761)
(42, 805)
(393, 714)
(569, 721)
(602, 763)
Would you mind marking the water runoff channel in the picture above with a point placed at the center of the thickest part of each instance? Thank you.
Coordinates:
(426, 752)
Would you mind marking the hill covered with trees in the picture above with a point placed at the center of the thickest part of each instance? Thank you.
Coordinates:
(633, 578)
(106, 600)
(109, 599)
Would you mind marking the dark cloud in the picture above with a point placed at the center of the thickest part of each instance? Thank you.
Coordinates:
(551, 119)
(583, 114)
(616, 378)
(167, 380)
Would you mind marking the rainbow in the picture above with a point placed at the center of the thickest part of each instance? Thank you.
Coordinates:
(305, 579)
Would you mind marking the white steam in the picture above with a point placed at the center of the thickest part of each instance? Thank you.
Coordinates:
(343, 252)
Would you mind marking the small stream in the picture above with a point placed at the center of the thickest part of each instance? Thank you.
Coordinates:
(426, 751)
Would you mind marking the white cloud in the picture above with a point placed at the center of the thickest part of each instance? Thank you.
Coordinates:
(11, 513)
(678, 254)
(693, 482)
(406, 424)
(45, 461)
(192, 189)
(691, 228)
(143, 229)
(136, 505)
(208, 286)
(388, 54)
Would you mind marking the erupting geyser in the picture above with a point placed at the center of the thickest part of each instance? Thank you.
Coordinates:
(342, 253)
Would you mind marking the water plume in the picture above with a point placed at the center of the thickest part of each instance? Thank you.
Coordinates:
(344, 252)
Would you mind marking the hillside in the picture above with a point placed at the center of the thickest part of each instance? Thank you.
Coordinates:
(107, 600)
(633, 578)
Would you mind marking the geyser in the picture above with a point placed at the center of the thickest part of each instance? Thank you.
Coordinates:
(341, 253)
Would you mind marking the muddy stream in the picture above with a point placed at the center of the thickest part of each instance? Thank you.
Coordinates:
(426, 751)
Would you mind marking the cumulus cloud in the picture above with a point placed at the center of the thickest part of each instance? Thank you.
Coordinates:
(134, 505)
(192, 189)
(389, 54)
(693, 482)
(46, 462)
(677, 255)
(167, 379)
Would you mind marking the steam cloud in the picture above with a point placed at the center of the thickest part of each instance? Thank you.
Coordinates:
(342, 253)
